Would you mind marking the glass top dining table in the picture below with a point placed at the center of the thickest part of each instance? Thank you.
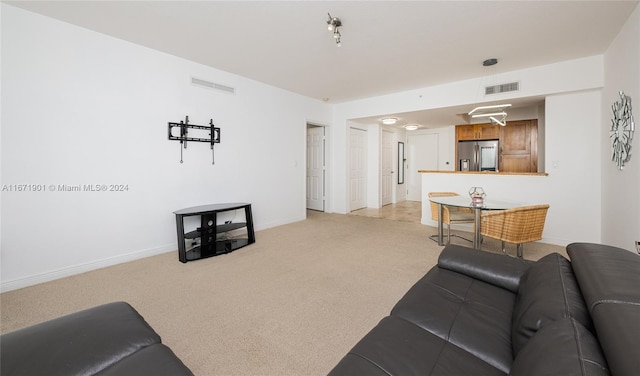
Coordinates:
(465, 202)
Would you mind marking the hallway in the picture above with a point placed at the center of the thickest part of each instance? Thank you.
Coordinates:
(406, 211)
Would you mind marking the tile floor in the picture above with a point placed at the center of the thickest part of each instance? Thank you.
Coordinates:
(407, 211)
(411, 211)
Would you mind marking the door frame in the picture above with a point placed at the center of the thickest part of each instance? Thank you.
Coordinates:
(412, 175)
(327, 173)
(323, 176)
(392, 157)
(365, 168)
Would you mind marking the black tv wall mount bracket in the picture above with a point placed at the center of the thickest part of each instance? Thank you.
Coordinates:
(184, 126)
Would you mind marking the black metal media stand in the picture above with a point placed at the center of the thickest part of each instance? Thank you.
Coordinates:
(205, 237)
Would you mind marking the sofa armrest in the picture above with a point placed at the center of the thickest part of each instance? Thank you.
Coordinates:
(496, 269)
(81, 343)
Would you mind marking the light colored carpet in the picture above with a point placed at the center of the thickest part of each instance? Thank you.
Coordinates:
(293, 303)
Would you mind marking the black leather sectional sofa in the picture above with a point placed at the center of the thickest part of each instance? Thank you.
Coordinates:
(478, 313)
(111, 339)
(475, 313)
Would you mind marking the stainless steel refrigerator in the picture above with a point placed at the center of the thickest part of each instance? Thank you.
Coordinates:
(478, 155)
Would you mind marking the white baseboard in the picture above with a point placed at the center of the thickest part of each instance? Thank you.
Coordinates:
(82, 268)
(283, 222)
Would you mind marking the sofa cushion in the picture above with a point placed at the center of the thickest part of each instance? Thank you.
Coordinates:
(155, 360)
(468, 313)
(352, 364)
(564, 347)
(605, 273)
(548, 292)
(609, 280)
(618, 329)
(492, 268)
(398, 347)
(82, 343)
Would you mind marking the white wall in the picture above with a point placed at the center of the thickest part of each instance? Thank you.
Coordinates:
(446, 146)
(562, 77)
(621, 189)
(373, 165)
(573, 156)
(80, 107)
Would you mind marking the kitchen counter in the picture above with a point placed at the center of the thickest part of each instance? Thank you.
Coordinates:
(484, 173)
(524, 188)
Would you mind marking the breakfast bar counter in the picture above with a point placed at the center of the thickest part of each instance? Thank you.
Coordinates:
(484, 173)
(531, 188)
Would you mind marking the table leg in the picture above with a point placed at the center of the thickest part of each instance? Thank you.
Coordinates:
(251, 237)
(182, 253)
(440, 230)
(476, 228)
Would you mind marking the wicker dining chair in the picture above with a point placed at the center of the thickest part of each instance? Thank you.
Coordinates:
(517, 226)
(450, 215)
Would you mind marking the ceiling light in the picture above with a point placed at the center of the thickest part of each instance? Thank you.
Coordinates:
(411, 127)
(502, 122)
(334, 24)
(482, 109)
(336, 35)
(489, 114)
(389, 121)
(496, 113)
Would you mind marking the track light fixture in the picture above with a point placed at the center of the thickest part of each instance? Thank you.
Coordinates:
(334, 24)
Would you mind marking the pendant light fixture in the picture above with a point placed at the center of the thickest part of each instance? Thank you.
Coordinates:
(495, 113)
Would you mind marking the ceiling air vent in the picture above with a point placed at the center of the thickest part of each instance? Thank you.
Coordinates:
(212, 85)
(503, 88)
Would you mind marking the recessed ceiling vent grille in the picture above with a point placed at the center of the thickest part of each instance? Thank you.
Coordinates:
(212, 85)
(503, 88)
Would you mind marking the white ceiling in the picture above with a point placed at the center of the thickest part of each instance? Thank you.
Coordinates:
(387, 46)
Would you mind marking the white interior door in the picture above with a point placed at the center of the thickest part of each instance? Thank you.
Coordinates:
(357, 169)
(315, 168)
(386, 168)
(422, 155)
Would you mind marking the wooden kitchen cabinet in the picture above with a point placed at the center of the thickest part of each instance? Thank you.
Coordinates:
(477, 132)
(518, 143)
(515, 163)
(519, 146)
